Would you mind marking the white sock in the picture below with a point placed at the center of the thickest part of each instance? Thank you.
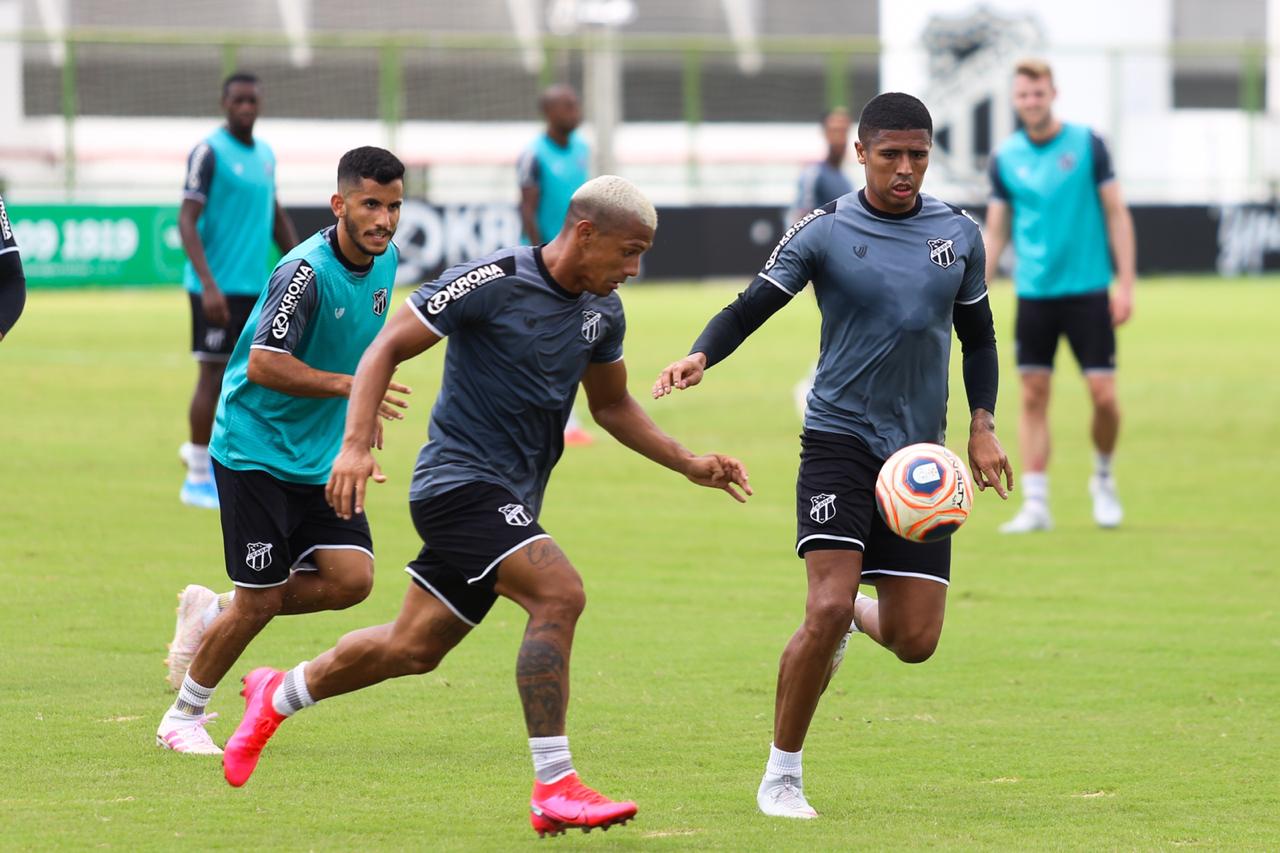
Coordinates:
(1102, 465)
(216, 606)
(199, 469)
(783, 763)
(551, 759)
(1035, 488)
(292, 695)
(192, 698)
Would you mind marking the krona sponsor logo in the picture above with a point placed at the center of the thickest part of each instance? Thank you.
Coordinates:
(289, 303)
(462, 285)
(791, 232)
(6, 230)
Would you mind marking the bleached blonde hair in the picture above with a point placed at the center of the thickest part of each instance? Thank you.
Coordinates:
(609, 202)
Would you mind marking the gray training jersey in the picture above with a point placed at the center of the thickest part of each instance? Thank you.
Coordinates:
(518, 347)
(886, 285)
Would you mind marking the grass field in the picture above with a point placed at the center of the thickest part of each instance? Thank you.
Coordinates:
(1093, 690)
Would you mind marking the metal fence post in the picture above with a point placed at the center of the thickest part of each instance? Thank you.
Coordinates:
(69, 109)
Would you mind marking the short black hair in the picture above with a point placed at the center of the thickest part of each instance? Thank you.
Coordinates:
(369, 162)
(893, 111)
(239, 77)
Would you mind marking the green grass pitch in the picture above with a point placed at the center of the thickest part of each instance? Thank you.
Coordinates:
(1093, 690)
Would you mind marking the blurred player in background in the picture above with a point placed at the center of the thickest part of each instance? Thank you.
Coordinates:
(278, 426)
(820, 183)
(228, 217)
(13, 283)
(526, 327)
(550, 171)
(1069, 224)
(894, 271)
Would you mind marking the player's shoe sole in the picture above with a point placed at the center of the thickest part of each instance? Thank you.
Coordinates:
(260, 722)
(545, 826)
(188, 632)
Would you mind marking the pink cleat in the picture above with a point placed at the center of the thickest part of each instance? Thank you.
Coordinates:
(260, 722)
(568, 803)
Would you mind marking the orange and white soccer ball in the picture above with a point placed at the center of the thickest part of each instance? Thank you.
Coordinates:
(924, 492)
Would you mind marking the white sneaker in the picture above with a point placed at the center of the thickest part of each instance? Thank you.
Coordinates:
(1107, 511)
(192, 602)
(183, 733)
(1031, 518)
(784, 797)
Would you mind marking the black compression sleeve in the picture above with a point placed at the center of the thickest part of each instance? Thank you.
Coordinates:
(977, 333)
(13, 291)
(727, 330)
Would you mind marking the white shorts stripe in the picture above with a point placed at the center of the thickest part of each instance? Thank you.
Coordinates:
(260, 585)
(921, 575)
(973, 301)
(423, 318)
(216, 357)
(508, 553)
(306, 553)
(8, 250)
(858, 542)
(776, 284)
(437, 594)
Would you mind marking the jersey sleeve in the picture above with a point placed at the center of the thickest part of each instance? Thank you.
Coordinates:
(464, 295)
(609, 348)
(528, 174)
(199, 173)
(1102, 168)
(973, 288)
(998, 188)
(801, 251)
(291, 299)
(8, 241)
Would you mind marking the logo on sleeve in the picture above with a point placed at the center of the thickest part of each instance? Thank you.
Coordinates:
(298, 284)
(6, 230)
(515, 515)
(790, 233)
(941, 253)
(380, 301)
(590, 326)
(469, 281)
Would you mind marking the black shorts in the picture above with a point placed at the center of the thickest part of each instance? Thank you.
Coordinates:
(836, 510)
(270, 527)
(1084, 319)
(215, 343)
(466, 532)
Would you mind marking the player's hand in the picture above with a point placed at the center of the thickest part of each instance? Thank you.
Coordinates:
(347, 480)
(987, 461)
(214, 304)
(376, 444)
(717, 471)
(1121, 305)
(385, 408)
(681, 374)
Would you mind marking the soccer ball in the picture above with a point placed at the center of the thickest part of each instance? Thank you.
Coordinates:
(924, 492)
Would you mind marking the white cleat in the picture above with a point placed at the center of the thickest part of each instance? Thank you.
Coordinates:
(784, 797)
(183, 733)
(1030, 519)
(838, 657)
(192, 602)
(1107, 511)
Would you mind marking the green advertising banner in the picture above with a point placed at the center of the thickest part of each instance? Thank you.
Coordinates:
(71, 245)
